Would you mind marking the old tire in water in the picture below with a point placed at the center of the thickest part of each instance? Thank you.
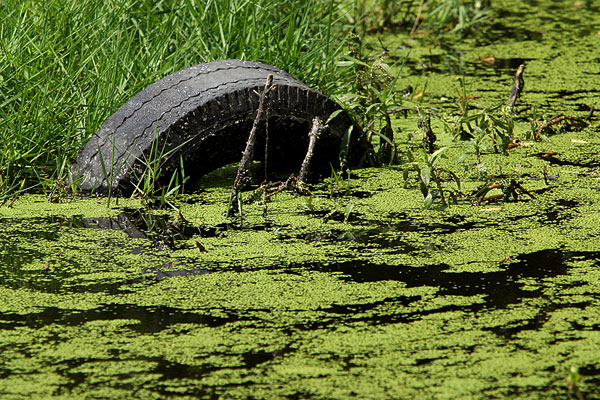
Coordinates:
(202, 116)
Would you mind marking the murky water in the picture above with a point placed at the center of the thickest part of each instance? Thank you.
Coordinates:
(490, 301)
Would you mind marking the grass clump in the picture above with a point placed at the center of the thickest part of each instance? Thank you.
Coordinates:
(426, 16)
(66, 65)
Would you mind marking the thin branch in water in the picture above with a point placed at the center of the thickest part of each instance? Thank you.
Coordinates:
(429, 137)
(317, 126)
(266, 144)
(418, 17)
(242, 173)
(509, 190)
(591, 114)
(556, 120)
(518, 85)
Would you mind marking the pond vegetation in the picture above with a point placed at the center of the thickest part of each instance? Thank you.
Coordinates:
(464, 263)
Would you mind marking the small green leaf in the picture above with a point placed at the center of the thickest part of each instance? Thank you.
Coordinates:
(463, 157)
(426, 176)
(428, 201)
(333, 115)
(387, 69)
(347, 211)
(438, 153)
(357, 61)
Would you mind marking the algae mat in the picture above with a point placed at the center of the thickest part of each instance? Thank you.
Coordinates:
(355, 292)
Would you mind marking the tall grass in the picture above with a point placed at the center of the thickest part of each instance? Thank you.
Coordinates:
(66, 65)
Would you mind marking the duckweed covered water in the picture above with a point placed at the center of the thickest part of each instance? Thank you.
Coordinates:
(490, 301)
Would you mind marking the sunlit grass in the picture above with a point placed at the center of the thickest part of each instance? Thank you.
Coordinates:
(66, 65)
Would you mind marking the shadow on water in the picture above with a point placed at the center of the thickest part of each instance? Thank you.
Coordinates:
(162, 230)
(543, 314)
(170, 270)
(55, 271)
(501, 288)
(169, 372)
(560, 212)
(388, 235)
(52, 273)
(498, 29)
(145, 319)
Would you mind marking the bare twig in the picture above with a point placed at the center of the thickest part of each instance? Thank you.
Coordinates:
(385, 49)
(418, 17)
(317, 126)
(556, 120)
(490, 198)
(429, 137)
(292, 182)
(591, 113)
(11, 202)
(518, 85)
(266, 144)
(482, 193)
(527, 192)
(509, 189)
(242, 172)
(523, 109)
(51, 198)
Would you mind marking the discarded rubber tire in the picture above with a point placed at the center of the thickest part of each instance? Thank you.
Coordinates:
(202, 115)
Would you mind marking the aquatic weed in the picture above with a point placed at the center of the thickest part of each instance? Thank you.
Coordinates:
(428, 174)
(372, 98)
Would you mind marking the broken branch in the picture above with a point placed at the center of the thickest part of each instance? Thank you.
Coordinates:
(242, 172)
(556, 120)
(509, 190)
(317, 126)
(429, 137)
(518, 85)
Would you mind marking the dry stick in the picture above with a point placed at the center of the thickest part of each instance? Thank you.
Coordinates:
(414, 28)
(265, 197)
(266, 144)
(523, 109)
(556, 120)
(518, 84)
(51, 198)
(242, 171)
(483, 197)
(429, 137)
(490, 198)
(527, 192)
(317, 126)
(513, 186)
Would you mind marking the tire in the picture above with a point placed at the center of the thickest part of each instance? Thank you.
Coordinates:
(202, 115)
